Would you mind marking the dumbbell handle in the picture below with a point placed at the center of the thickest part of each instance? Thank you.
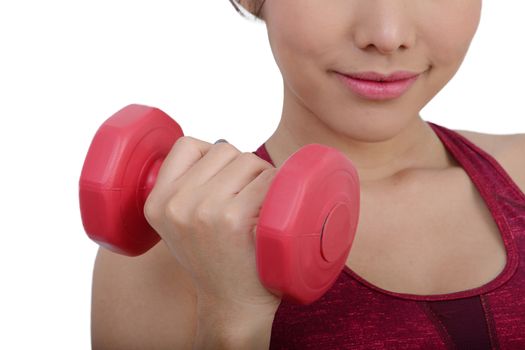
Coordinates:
(306, 224)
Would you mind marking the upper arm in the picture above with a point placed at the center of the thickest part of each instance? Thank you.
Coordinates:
(516, 160)
(512, 158)
(143, 302)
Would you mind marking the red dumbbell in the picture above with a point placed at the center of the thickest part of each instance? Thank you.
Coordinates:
(306, 224)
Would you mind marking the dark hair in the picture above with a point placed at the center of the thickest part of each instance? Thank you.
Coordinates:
(255, 4)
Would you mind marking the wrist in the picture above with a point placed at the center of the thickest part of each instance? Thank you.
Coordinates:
(233, 326)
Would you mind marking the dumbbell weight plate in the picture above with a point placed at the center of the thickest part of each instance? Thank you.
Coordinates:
(307, 223)
(119, 171)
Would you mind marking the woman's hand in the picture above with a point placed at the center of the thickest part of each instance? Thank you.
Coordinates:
(205, 206)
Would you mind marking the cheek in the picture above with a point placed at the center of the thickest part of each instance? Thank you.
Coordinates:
(300, 46)
(299, 61)
(299, 41)
(292, 46)
(448, 37)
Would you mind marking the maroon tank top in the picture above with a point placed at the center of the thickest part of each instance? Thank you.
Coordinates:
(354, 314)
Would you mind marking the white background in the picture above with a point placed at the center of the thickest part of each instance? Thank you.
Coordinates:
(66, 66)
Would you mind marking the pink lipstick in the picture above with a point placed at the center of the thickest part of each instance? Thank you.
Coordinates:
(376, 86)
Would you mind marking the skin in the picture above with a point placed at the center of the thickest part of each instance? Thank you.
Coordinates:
(413, 237)
(400, 160)
(382, 138)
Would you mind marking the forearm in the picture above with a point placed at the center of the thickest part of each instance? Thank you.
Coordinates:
(227, 328)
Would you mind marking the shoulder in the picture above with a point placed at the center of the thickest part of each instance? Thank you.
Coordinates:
(507, 149)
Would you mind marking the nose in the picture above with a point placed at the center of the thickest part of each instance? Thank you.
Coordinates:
(384, 26)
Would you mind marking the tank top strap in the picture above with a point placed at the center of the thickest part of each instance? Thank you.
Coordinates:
(500, 193)
(492, 181)
(490, 178)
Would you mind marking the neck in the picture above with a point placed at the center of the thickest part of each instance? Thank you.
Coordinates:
(414, 147)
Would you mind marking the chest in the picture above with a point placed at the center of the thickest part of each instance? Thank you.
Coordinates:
(426, 233)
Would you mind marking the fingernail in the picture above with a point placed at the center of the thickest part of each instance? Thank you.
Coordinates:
(220, 140)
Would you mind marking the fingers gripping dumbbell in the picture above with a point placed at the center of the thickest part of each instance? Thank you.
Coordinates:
(306, 224)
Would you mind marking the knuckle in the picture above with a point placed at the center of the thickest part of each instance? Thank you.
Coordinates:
(186, 139)
(203, 214)
(225, 147)
(153, 207)
(183, 142)
(230, 219)
(174, 212)
(150, 211)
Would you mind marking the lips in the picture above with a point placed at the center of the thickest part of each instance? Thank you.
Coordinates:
(374, 76)
(376, 86)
